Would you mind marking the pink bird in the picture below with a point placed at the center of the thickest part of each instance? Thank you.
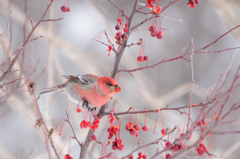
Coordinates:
(90, 89)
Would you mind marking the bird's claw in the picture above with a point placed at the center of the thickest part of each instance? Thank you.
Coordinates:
(85, 105)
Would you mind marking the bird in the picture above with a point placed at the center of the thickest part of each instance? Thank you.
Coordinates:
(88, 88)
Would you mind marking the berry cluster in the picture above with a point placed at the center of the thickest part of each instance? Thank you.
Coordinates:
(67, 156)
(177, 147)
(141, 156)
(95, 124)
(151, 5)
(192, 4)
(117, 144)
(85, 124)
(133, 129)
(121, 28)
(112, 130)
(141, 56)
(201, 149)
(65, 8)
(121, 35)
(155, 33)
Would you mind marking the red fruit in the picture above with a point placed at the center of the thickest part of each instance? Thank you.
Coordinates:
(110, 136)
(160, 34)
(196, 1)
(114, 147)
(144, 157)
(150, 1)
(121, 148)
(201, 149)
(167, 144)
(136, 127)
(79, 110)
(159, 9)
(168, 156)
(117, 27)
(151, 29)
(125, 29)
(163, 131)
(150, 5)
(64, 9)
(133, 132)
(67, 156)
(130, 157)
(139, 59)
(145, 58)
(118, 35)
(124, 36)
(93, 137)
(191, 4)
(145, 128)
(140, 154)
(68, 9)
(153, 34)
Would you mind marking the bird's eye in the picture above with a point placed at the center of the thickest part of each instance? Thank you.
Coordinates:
(110, 84)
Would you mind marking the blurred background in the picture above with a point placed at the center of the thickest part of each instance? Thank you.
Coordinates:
(66, 49)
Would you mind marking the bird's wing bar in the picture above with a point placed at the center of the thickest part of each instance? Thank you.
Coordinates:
(79, 79)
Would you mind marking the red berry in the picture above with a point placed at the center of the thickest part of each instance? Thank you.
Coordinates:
(64, 9)
(125, 29)
(67, 156)
(196, 1)
(140, 154)
(121, 148)
(79, 110)
(68, 9)
(130, 157)
(118, 35)
(150, 1)
(110, 136)
(117, 27)
(136, 127)
(145, 128)
(124, 36)
(133, 132)
(153, 34)
(168, 156)
(93, 137)
(114, 147)
(167, 144)
(145, 58)
(150, 5)
(160, 34)
(139, 59)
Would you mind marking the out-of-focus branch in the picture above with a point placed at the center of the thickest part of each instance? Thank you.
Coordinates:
(228, 13)
(4, 75)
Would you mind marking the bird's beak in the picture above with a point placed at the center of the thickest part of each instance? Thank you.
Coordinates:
(117, 89)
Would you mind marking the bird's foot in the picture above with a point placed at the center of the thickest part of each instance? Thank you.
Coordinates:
(86, 105)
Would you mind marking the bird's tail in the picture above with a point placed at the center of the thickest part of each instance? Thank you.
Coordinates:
(50, 91)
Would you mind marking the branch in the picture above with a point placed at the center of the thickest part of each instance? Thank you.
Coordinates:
(4, 75)
(151, 143)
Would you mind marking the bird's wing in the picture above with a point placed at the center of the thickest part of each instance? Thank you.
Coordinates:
(86, 79)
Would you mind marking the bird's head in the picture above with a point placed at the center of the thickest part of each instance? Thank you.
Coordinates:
(108, 85)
